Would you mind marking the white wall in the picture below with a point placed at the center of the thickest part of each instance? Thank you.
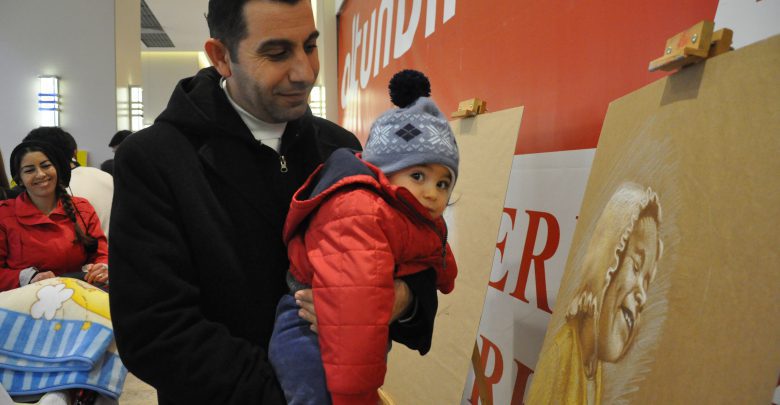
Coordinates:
(128, 56)
(72, 39)
(328, 55)
(751, 21)
(161, 72)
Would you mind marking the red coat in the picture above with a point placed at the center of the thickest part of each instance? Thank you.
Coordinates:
(361, 233)
(30, 238)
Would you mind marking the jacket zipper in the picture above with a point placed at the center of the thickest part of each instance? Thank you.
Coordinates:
(282, 164)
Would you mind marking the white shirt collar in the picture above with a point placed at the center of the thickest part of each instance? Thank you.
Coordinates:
(269, 134)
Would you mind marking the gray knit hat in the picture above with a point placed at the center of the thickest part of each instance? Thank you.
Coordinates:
(416, 134)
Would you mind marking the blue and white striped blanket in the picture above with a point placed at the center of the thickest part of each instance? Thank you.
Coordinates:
(56, 334)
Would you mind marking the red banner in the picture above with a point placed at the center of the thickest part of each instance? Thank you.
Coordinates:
(564, 61)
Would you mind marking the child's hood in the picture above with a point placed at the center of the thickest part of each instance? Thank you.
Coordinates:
(345, 169)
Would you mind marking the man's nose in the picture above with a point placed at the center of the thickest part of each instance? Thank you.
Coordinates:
(302, 69)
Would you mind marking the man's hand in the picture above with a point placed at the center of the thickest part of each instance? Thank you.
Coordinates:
(305, 300)
(403, 297)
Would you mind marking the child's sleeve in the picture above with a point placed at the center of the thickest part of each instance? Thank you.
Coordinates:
(353, 292)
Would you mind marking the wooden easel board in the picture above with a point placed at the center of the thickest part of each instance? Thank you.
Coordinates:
(486, 143)
(706, 141)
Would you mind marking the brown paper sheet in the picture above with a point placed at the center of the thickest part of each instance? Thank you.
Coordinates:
(704, 144)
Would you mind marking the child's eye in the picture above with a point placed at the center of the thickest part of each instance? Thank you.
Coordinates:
(444, 185)
(417, 176)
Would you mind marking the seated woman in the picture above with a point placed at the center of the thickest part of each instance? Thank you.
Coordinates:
(44, 232)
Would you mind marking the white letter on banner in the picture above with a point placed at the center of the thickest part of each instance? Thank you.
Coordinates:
(386, 16)
(353, 74)
(430, 18)
(345, 81)
(449, 10)
(403, 40)
(367, 51)
(348, 81)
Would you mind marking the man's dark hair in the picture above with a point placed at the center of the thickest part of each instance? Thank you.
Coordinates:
(119, 137)
(55, 136)
(226, 22)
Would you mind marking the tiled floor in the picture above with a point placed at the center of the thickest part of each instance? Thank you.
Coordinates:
(137, 392)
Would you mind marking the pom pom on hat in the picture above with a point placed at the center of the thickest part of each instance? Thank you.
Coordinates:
(407, 86)
(417, 133)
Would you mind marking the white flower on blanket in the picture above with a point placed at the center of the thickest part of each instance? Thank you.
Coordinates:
(50, 299)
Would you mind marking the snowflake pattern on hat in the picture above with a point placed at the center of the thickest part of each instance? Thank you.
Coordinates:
(404, 137)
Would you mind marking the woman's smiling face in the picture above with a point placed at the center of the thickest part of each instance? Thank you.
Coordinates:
(626, 294)
(38, 174)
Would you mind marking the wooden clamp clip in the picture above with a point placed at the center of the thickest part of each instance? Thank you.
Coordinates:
(693, 45)
(470, 108)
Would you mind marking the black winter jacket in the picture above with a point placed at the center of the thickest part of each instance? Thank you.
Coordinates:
(196, 254)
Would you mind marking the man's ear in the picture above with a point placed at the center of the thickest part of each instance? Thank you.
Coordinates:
(219, 56)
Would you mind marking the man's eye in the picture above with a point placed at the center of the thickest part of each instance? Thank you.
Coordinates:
(310, 48)
(276, 55)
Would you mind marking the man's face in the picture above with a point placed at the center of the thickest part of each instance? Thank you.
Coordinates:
(626, 294)
(276, 64)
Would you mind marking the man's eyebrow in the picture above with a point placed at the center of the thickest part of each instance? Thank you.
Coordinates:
(284, 43)
(274, 43)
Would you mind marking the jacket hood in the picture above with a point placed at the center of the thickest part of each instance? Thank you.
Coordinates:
(345, 170)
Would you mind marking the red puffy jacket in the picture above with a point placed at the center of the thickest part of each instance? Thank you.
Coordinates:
(349, 242)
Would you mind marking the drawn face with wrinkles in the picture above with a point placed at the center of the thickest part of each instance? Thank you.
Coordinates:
(626, 294)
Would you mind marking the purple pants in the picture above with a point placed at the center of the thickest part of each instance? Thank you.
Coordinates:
(294, 352)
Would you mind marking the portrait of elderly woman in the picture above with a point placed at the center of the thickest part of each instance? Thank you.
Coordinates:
(604, 317)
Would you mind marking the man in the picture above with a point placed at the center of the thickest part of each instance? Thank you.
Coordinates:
(108, 165)
(197, 259)
(87, 182)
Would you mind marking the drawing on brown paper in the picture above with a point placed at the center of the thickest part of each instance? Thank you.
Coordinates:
(604, 317)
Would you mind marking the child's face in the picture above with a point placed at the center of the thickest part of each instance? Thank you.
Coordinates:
(431, 184)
